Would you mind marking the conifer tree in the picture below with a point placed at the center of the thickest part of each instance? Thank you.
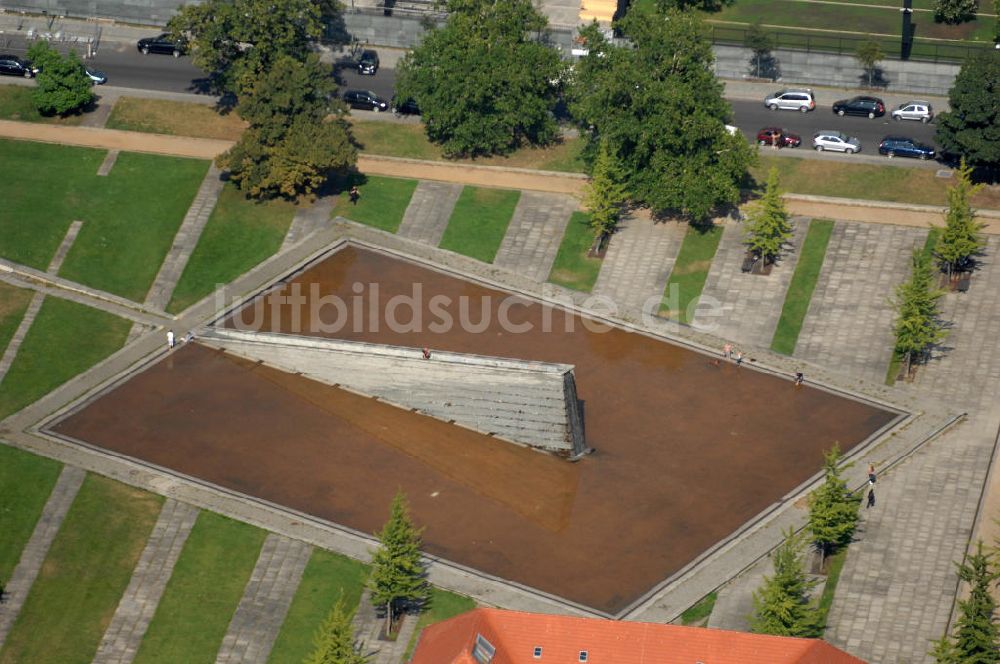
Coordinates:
(605, 194)
(397, 579)
(975, 639)
(962, 237)
(833, 509)
(781, 605)
(768, 228)
(334, 640)
(918, 326)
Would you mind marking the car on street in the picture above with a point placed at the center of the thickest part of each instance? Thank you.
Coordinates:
(801, 99)
(837, 141)
(368, 63)
(162, 44)
(782, 138)
(871, 107)
(405, 106)
(366, 100)
(96, 76)
(914, 110)
(11, 65)
(901, 146)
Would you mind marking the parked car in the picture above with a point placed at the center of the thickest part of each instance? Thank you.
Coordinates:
(368, 62)
(893, 146)
(791, 100)
(11, 65)
(162, 44)
(914, 110)
(779, 136)
(365, 99)
(828, 139)
(96, 76)
(872, 107)
(405, 107)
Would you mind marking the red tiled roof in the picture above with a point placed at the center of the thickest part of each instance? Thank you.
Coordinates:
(515, 635)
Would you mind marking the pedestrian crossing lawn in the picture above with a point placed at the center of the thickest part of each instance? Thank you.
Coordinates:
(65, 339)
(479, 222)
(800, 290)
(382, 204)
(573, 268)
(13, 303)
(26, 481)
(84, 575)
(687, 279)
(203, 592)
(240, 234)
(326, 579)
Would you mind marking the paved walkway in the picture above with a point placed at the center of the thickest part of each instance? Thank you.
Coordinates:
(638, 262)
(309, 219)
(109, 162)
(37, 548)
(430, 208)
(149, 578)
(265, 602)
(849, 323)
(367, 627)
(534, 234)
(750, 304)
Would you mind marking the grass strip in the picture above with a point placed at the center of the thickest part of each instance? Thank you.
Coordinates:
(240, 234)
(26, 481)
(834, 567)
(65, 339)
(382, 204)
(700, 612)
(178, 118)
(687, 279)
(203, 592)
(84, 575)
(13, 303)
(326, 579)
(16, 104)
(573, 268)
(479, 222)
(443, 605)
(801, 288)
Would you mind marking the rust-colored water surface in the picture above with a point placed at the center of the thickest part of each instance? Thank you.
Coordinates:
(687, 451)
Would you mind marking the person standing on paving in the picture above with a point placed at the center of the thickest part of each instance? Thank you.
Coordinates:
(171, 341)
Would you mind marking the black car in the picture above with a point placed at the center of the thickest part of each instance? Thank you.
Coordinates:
(368, 62)
(365, 99)
(872, 107)
(162, 44)
(905, 147)
(11, 65)
(405, 107)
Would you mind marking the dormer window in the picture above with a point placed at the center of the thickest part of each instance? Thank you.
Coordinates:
(483, 651)
(538, 652)
(583, 655)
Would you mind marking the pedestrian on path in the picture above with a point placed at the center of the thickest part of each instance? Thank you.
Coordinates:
(799, 379)
(354, 195)
(171, 341)
(739, 357)
(727, 351)
(427, 353)
(871, 474)
(871, 498)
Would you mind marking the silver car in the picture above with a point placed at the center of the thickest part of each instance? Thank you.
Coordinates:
(791, 100)
(836, 141)
(914, 110)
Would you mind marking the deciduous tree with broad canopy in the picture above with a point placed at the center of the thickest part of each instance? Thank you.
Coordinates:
(660, 109)
(971, 129)
(398, 578)
(485, 83)
(62, 85)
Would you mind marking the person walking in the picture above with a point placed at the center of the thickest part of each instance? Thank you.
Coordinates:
(871, 474)
(171, 340)
(871, 498)
(354, 195)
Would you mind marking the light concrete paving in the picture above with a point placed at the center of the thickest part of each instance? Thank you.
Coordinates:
(109, 162)
(37, 548)
(368, 627)
(265, 602)
(849, 322)
(430, 208)
(536, 229)
(138, 604)
(734, 603)
(309, 219)
(749, 305)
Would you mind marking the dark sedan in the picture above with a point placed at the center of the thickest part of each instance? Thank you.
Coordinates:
(900, 146)
(366, 100)
(162, 44)
(405, 107)
(778, 137)
(11, 65)
(870, 107)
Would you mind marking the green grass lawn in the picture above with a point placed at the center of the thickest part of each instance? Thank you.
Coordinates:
(687, 279)
(65, 339)
(700, 612)
(239, 235)
(16, 104)
(327, 578)
(26, 481)
(834, 565)
(84, 575)
(443, 605)
(203, 592)
(13, 302)
(800, 290)
(572, 267)
(382, 204)
(160, 116)
(479, 222)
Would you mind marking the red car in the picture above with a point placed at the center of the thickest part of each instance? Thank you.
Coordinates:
(777, 135)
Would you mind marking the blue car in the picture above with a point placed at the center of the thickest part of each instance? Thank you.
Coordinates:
(893, 146)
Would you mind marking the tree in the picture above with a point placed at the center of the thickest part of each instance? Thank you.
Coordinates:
(782, 605)
(237, 41)
(700, 5)
(954, 12)
(397, 579)
(760, 44)
(833, 509)
(868, 55)
(605, 195)
(962, 237)
(975, 640)
(660, 108)
(768, 228)
(971, 129)
(62, 84)
(484, 82)
(333, 642)
(918, 326)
